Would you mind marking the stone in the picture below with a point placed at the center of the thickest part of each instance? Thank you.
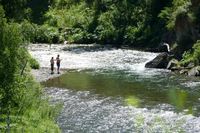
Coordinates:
(176, 68)
(194, 71)
(190, 65)
(184, 71)
(161, 61)
(172, 64)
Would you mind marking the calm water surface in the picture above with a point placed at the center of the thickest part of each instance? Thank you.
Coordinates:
(109, 90)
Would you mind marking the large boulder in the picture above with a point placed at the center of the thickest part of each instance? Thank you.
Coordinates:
(161, 61)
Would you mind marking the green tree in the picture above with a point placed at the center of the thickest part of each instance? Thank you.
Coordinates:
(16, 9)
(10, 52)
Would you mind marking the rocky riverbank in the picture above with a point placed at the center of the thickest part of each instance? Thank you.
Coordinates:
(167, 61)
(44, 74)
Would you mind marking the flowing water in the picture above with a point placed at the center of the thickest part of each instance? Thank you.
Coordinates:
(109, 90)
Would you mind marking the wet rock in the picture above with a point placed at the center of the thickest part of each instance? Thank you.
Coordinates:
(194, 71)
(176, 68)
(173, 64)
(161, 61)
(184, 71)
(190, 65)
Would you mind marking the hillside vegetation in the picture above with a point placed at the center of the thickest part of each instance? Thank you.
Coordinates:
(136, 23)
(23, 107)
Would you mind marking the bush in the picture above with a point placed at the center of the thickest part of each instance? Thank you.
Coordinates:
(23, 107)
(169, 14)
(33, 114)
(34, 63)
(28, 30)
(47, 34)
(187, 58)
(192, 56)
(196, 53)
(39, 33)
(76, 17)
(106, 31)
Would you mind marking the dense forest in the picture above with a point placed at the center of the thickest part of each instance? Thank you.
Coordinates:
(143, 24)
(138, 23)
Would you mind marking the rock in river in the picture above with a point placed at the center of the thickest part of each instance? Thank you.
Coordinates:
(161, 61)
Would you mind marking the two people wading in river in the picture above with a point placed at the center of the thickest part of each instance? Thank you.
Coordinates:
(57, 63)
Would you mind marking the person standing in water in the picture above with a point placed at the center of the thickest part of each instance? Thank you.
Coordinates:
(58, 63)
(52, 65)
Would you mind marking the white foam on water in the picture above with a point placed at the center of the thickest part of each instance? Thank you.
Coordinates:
(118, 59)
(191, 84)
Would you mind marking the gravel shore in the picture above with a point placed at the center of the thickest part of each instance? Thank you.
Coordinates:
(44, 74)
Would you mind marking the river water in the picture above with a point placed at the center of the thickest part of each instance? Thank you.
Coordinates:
(109, 90)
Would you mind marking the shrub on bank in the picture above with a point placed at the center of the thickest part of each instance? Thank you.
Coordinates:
(34, 64)
(33, 113)
(40, 33)
(192, 56)
(23, 107)
(47, 34)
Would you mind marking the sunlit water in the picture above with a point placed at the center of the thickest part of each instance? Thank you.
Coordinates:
(109, 90)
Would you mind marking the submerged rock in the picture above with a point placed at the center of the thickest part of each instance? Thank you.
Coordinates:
(161, 61)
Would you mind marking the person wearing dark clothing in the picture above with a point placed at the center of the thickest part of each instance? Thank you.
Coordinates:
(52, 65)
(58, 63)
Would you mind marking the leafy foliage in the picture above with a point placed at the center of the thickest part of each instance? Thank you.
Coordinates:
(192, 56)
(169, 14)
(107, 21)
(22, 107)
(15, 9)
(34, 63)
(28, 31)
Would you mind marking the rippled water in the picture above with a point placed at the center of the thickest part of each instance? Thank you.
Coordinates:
(86, 112)
(109, 90)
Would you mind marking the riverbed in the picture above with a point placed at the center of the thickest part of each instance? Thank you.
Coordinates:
(105, 89)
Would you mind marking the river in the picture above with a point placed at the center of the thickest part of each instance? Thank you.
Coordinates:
(109, 90)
